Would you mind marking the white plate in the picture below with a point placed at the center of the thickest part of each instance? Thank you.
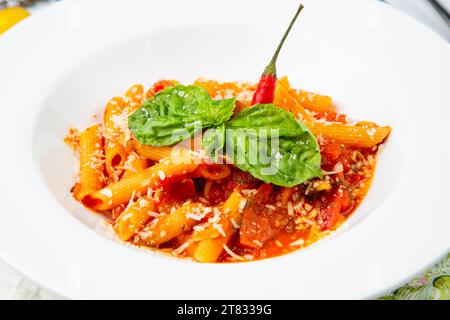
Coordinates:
(60, 66)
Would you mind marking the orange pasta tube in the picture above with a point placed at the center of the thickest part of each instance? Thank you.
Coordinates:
(134, 97)
(360, 136)
(208, 250)
(363, 136)
(309, 100)
(168, 226)
(135, 163)
(285, 100)
(91, 162)
(152, 153)
(122, 191)
(134, 218)
(115, 154)
(313, 101)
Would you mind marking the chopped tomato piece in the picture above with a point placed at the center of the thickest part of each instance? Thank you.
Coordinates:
(344, 198)
(217, 194)
(242, 180)
(262, 196)
(177, 189)
(256, 229)
(158, 86)
(330, 150)
(260, 223)
(329, 212)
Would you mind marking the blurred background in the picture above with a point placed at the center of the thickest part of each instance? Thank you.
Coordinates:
(433, 13)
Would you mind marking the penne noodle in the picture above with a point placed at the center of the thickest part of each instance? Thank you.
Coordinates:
(134, 218)
(134, 98)
(168, 226)
(121, 191)
(91, 162)
(213, 87)
(158, 153)
(311, 101)
(285, 100)
(355, 135)
(209, 250)
(363, 136)
(135, 163)
(152, 153)
(115, 154)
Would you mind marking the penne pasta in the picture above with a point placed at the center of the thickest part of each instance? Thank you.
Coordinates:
(134, 218)
(135, 163)
(152, 153)
(134, 98)
(91, 162)
(115, 154)
(285, 100)
(209, 250)
(363, 136)
(311, 101)
(121, 191)
(354, 135)
(168, 226)
(214, 88)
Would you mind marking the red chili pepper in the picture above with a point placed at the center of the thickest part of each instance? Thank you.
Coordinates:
(266, 86)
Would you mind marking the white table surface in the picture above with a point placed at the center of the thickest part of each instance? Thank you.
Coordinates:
(15, 286)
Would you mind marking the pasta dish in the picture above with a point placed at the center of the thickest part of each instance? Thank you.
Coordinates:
(225, 171)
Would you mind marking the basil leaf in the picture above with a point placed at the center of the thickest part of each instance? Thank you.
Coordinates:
(273, 146)
(177, 113)
(268, 116)
(214, 141)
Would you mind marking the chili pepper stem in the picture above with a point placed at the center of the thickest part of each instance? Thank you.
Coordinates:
(265, 92)
(271, 67)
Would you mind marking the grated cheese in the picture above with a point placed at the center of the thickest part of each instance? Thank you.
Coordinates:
(232, 254)
(106, 192)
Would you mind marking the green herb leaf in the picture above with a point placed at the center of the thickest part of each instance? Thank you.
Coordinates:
(176, 114)
(272, 145)
(214, 141)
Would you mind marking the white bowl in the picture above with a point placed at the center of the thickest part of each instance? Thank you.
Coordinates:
(60, 67)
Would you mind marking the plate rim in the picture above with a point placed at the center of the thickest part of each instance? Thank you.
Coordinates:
(21, 34)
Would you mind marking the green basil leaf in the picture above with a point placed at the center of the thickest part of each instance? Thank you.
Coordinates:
(214, 141)
(268, 116)
(273, 146)
(177, 113)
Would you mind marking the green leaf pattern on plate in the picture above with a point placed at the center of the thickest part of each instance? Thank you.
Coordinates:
(434, 284)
